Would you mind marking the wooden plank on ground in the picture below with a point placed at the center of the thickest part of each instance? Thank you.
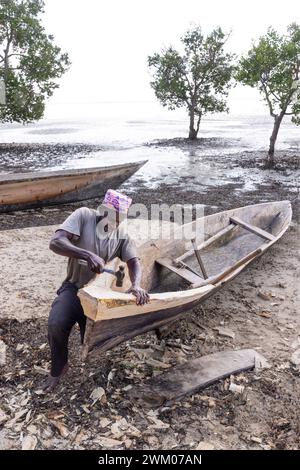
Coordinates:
(194, 375)
(252, 228)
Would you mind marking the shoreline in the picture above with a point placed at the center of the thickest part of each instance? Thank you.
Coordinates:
(220, 181)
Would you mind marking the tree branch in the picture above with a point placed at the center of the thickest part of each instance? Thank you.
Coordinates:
(6, 53)
(268, 99)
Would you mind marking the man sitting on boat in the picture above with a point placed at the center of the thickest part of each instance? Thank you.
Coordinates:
(90, 239)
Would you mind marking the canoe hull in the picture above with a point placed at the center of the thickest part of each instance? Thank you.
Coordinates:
(19, 192)
(106, 334)
(113, 328)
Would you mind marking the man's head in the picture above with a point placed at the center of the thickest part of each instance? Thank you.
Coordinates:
(113, 210)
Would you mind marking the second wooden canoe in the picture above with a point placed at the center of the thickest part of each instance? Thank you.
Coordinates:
(31, 190)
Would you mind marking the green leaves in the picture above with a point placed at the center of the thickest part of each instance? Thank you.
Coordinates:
(170, 81)
(273, 66)
(199, 79)
(30, 62)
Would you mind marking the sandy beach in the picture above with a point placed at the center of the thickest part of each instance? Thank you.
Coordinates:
(260, 307)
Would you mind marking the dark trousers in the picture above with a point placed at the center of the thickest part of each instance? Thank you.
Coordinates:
(66, 310)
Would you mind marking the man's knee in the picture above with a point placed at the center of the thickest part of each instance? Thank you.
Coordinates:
(57, 328)
(60, 320)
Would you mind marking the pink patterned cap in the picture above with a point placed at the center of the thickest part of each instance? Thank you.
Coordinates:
(117, 201)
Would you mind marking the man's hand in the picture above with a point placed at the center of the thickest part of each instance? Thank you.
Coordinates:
(142, 297)
(95, 263)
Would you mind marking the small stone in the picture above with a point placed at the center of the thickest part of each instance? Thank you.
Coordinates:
(104, 422)
(107, 442)
(260, 362)
(3, 417)
(98, 394)
(225, 332)
(128, 443)
(264, 295)
(265, 314)
(295, 359)
(62, 429)
(295, 344)
(153, 441)
(82, 436)
(29, 443)
(2, 353)
(203, 445)
(281, 285)
(258, 440)
(32, 429)
(236, 388)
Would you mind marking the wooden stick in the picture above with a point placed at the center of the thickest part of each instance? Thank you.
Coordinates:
(219, 277)
(181, 264)
(198, 256)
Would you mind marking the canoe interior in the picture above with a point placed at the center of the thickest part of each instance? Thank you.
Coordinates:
(114, 319)
(225, 252)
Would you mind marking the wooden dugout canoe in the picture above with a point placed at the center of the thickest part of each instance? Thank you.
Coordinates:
(232, 240)
(31, 190)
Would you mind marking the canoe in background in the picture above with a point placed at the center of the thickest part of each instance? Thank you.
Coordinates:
(233, 239)
(31, 190)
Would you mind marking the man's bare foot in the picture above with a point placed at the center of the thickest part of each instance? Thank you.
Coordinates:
(51, 382)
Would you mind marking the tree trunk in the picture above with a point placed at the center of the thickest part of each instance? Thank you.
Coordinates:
(273, 138)
(193, 133)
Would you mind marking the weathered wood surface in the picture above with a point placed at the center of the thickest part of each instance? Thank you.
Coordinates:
(200, 261)
(194, 375)
(258, 231)
(24, 191)
(222, 233)
(106, 334)
(242, 262)
(183, 272)
(117, 317)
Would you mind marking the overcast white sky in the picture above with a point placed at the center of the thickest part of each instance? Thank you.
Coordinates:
(109, 41)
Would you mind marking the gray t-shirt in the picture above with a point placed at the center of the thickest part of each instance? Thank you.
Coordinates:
(83, 223)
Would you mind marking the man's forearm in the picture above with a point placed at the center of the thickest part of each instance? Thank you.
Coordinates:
(135, 271)
(135, 274)
(64, 247)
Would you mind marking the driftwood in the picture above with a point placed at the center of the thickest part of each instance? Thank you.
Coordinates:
(194, 375)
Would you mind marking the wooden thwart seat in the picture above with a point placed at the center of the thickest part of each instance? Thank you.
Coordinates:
(183, 272)
(252, 228)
